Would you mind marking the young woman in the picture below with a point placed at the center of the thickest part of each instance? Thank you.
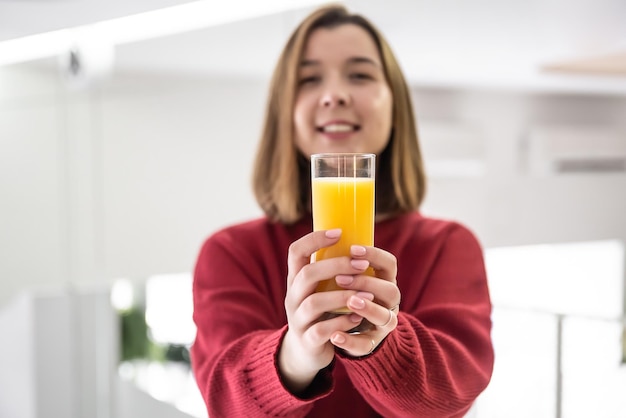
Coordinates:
(263, 345)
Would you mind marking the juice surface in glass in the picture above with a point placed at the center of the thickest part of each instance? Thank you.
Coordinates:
(346, 203)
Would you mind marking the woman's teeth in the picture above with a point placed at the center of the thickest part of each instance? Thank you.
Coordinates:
(337, 128)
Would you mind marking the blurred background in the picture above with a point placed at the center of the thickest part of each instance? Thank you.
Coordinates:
(127, 133)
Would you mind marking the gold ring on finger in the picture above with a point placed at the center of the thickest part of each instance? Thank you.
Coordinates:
(373, 347)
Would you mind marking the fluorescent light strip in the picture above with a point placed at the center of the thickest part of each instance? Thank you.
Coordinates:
(34, 47)
(192, 16)
(142, 26)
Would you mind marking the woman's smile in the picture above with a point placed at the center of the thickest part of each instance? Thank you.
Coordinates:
(338, 130)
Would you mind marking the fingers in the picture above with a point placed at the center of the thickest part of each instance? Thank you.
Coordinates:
(383, 318)
(362, 344)
(298, 260)
(312, 310)
(367, 297)
(386, 290)
(300, 251)
(387, 293)
(356, 346)
(383, 262)
(320, 332)
(302, 287)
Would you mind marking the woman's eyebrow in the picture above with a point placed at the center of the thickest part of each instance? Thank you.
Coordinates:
(364, 60)
(309, 63)
(352, 60)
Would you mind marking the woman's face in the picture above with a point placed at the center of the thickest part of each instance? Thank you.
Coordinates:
(343, 102)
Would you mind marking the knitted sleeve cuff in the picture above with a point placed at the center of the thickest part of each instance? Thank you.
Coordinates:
(265, 386)
(392, 359)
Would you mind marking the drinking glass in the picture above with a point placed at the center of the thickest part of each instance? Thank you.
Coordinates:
(343, 197)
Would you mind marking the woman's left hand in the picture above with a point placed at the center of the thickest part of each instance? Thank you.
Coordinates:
(381, 312)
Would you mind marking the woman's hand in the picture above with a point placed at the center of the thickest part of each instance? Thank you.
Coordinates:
(382, 311)
(306, 347)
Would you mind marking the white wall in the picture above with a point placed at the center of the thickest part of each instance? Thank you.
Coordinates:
(174, 165)
(32, 186)
(127, 179)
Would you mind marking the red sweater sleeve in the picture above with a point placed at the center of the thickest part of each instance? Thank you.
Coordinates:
(240, 322)
(440, 356)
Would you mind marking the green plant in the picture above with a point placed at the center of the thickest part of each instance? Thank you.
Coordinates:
(134, 334)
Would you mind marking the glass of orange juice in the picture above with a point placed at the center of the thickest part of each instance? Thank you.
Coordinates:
(343, 197)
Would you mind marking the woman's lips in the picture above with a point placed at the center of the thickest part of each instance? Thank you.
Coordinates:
(338, 130)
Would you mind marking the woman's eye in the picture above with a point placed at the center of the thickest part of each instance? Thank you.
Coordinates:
(360, 76)
(309, 80)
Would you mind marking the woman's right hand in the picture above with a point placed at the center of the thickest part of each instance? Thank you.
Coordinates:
(306, 347)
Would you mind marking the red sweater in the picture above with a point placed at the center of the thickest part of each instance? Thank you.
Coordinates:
(434, 364)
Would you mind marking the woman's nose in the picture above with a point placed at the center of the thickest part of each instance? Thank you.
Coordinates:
(335, 97)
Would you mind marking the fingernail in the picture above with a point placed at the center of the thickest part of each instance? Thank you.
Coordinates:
(343, 279)
(339, 339)
(357, 250)
(360, 264)
(356, 318)
(333, 233)
(365, 295)
(356, 302)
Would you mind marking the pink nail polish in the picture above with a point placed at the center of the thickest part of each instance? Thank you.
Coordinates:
(365, 295)
(356, 318)
(360, 264)
(357, 303)
(343, 279)
(357, 250)
(333, 233)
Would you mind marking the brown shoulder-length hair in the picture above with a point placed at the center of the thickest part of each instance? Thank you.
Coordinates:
(281, 175)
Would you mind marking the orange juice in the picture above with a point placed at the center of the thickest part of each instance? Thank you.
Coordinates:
(346, 203)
